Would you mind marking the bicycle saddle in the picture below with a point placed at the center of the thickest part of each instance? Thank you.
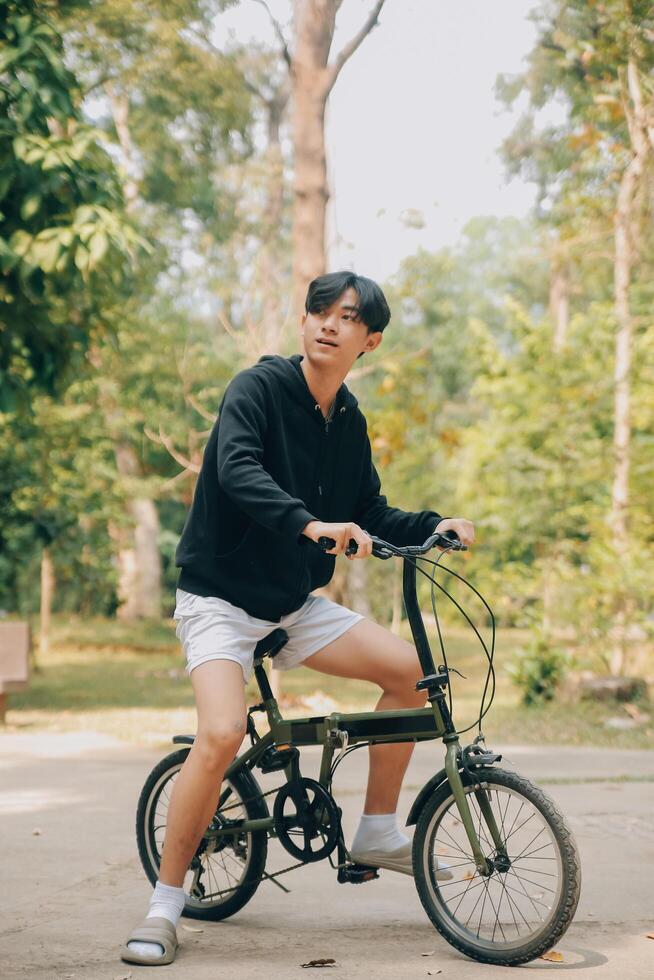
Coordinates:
(271, 644)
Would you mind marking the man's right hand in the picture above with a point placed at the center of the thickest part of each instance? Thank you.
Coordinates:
(342, 534)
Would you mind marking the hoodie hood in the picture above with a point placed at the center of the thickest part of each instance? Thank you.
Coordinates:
(290, 374)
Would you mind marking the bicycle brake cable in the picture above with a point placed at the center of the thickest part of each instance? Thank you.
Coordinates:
(490, 673)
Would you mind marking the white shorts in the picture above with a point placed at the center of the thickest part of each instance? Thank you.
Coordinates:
(210, 628)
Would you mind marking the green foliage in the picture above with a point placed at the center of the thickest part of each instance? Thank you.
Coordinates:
(62, 229)
(537, 670)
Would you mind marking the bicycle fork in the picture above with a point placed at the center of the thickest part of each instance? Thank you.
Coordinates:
(452, 756)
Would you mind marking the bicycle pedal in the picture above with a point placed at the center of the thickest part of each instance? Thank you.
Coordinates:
(356, 874)
(277, 757)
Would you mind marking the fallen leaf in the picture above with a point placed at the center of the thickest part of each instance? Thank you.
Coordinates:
(433, 973)
(37, 832)
(192, 928)
(552, 957)
(123, 976)
(430, 953)
(322, 962)
(650, 935)
(469, 875)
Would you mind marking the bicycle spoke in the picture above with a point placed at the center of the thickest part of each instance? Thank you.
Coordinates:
(468, 888)
(496, 911)
(541, 848)
(514, 820)
(508, 898)
(528, 896)
(473, 908)
(454, 843)
(532, 841)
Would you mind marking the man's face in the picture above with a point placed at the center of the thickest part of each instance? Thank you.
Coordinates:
(336, 336)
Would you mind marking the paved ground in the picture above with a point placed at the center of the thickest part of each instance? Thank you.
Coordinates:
(70, 893)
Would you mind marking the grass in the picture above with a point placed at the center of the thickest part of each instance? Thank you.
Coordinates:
(128, 680)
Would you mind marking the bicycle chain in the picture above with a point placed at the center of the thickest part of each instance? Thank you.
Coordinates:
(265, 876)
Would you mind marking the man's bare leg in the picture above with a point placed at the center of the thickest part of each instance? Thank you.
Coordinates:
(369, 652)
(220, 700)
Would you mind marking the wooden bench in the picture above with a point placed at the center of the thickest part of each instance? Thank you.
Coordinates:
(15, 644)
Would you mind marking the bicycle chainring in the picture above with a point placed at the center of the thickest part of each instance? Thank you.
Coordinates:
(307, 820)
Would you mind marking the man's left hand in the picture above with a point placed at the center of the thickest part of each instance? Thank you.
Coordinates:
(465, 529)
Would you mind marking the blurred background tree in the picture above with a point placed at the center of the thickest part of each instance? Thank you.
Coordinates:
(163, 195)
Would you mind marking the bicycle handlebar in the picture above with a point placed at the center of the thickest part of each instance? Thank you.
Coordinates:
(449, 540)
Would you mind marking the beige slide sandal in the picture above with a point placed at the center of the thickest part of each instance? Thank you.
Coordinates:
(153, 930)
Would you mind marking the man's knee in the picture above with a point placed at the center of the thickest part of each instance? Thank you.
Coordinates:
(217, 743)
(401, 677)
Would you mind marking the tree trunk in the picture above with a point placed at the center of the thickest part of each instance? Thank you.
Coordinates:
(314, 22)
(559, 303)
(312, 80)
(139, 561)
(271, 259)
(624, 259)
(47, 593)
(357, 585)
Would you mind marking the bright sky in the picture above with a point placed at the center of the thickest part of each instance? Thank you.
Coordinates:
(413, 124)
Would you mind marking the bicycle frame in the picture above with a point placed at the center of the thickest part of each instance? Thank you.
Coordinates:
(372, 727)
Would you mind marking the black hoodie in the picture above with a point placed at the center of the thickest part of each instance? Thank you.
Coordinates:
(271, 465)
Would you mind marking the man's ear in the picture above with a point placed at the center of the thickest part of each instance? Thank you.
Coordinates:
(373, 340)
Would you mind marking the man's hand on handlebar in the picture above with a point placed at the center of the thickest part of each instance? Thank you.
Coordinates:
(465, 530)
(341, 534)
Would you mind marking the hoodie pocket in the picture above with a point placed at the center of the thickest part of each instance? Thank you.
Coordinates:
(242, 542)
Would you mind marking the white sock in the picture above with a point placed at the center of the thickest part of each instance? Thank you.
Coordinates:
(167, 902)
(378, 832)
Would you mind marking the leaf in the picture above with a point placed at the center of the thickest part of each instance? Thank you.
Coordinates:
(430, 953)
(192, 928)
(97, 247)
(30, 206)
(45, 254)
(322, 962)
(81, 258)
(123, 976)
(650, 935)
(433, 973)
(552, 956)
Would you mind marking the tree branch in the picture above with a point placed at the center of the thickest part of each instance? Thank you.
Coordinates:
(195, 405)
(278, 31)
(166, 442)
(348, 49)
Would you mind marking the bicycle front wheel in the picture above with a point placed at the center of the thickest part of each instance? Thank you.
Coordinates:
(228, 866)
(527, 902)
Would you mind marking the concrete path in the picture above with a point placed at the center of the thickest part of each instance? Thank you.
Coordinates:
(71, 885)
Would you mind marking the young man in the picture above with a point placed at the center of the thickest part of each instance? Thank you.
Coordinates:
(287, 461)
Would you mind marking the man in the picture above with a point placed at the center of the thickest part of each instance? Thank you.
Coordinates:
(288, 460)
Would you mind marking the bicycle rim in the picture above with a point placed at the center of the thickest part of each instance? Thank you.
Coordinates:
(223, 867)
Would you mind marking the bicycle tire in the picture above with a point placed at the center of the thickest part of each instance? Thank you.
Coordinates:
(245, 787)
(435, 896)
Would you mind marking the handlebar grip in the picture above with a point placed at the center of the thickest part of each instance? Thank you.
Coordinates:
(327, 543)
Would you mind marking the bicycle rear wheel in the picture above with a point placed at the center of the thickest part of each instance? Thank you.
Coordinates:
(527, 902)
(227, 867)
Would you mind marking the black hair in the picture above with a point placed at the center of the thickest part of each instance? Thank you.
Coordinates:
(373, 308)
